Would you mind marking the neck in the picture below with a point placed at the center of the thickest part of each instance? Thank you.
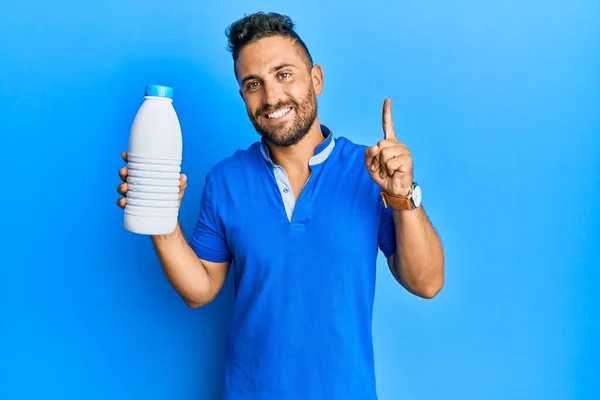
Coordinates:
(296, 157)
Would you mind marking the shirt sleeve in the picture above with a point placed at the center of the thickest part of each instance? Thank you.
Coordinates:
(386, 236)
(209, 240)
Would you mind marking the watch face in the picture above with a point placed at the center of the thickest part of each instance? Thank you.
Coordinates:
(416, 196)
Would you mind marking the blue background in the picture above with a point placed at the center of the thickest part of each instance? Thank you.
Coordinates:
(498, 101)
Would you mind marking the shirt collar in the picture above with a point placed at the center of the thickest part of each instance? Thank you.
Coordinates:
(322, 151)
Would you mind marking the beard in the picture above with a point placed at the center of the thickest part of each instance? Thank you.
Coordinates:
(288, 133)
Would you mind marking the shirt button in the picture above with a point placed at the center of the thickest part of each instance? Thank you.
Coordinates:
(285, 190)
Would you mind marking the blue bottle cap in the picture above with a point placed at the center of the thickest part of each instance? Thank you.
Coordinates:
(159, 90)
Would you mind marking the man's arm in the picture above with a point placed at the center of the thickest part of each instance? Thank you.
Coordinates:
(416, 259)
(185, 264)
(418, 262)
(197, 281)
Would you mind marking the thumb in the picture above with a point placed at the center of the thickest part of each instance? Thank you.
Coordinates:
(388, 124)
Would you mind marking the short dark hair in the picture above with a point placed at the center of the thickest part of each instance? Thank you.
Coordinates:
(260, 25)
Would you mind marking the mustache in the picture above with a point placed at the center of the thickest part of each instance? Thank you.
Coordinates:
(267, 108)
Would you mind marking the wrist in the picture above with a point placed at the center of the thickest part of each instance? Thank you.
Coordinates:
(405, 215)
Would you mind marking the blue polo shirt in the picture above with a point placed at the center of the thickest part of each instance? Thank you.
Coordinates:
(304, 271)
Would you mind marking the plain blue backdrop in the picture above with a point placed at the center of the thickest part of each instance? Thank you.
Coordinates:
(499, 103)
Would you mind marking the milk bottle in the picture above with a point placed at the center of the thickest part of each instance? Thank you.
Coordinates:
(154, 165)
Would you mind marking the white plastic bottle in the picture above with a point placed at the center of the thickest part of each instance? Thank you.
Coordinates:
(154, 165)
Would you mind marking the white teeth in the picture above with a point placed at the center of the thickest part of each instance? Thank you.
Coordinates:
(280, 113)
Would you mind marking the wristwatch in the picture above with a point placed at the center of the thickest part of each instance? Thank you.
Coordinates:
(410, 202)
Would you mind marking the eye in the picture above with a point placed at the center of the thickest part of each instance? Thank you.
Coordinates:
(252, 85)
(285, 75)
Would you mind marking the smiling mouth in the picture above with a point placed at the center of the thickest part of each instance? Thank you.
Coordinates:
(279, 113)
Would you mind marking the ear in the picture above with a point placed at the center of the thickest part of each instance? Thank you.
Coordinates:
(317, 79)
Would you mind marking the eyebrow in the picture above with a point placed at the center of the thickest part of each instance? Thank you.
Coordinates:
(271, 70)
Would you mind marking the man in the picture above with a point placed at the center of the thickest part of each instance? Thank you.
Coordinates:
(302, 215)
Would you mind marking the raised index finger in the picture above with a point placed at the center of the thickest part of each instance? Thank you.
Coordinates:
(388, 124)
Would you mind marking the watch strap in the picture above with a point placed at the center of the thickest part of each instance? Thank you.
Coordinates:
(398, 203)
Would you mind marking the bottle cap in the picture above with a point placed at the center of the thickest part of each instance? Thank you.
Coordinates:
(159, 90)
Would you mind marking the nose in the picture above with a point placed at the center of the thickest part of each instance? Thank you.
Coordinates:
(271, 93)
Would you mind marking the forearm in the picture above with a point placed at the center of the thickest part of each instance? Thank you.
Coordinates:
(419, 259)
(183, 268)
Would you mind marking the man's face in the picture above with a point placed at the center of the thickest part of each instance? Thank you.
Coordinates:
(279, 89)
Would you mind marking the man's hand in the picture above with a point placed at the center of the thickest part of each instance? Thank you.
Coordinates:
(123, 187)
(389, 162)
